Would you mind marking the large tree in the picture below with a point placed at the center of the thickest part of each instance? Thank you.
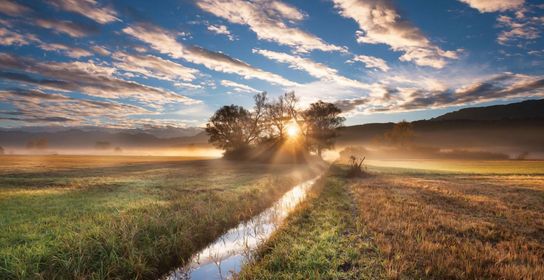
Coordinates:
(321, 121)
(279, 113)
(235, 129)
(230, 128)
(401, 135)
(238, 131)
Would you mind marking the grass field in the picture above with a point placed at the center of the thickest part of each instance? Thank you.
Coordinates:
(80, 217)
(413, 224)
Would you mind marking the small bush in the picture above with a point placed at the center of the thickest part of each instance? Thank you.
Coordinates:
(356, 167)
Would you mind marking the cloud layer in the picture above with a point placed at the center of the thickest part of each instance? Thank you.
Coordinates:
(270, 20)
(380, 23)
(85, 77)
(165, 42)
(493, 5)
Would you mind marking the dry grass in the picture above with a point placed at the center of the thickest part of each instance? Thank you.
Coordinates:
(49, 163)
(434, 226)
(535, 167)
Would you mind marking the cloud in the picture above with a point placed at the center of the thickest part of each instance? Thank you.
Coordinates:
(501, 86)
(101, 50)
(87, 8)
(371, 62)
(520, 27)
(270, 21)
(487, 6)
(380, 23)
(239, 87)
(66, 27)
(418, 90)
(313, 68)
(187, 85)
(348, 105)
(166, 43)
(83, 77)
(153, 66)
(72, 52)
(13, 8)
(221, 29)
(36, 106)
(8, 38)
(12, 38)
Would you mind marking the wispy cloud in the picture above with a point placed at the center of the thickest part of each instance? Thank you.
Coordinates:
(100, 50)
(66, 27)
(493, 5)
(239, 87)
(13, 8)
(311, 67)
(12, 38)
(87, 8)
(72, 52)
(153, 66)
(83, 77)
(506, 85)
(270, 20)
(165, 42)
(517, 28)
(221, 29)
(380, 23)
(36, 106)
(371, 62)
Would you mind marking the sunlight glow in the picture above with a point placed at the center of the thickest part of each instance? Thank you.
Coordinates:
(292, 130)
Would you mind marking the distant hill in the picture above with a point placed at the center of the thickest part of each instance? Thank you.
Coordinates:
(81, 139)
(525, 110)
(517, 126)
(513, 127)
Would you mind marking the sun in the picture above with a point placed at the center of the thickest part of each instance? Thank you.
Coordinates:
(292, 130)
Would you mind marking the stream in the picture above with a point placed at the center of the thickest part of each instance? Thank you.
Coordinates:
(227, 254)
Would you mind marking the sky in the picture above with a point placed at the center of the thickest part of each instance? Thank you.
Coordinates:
(138, 63)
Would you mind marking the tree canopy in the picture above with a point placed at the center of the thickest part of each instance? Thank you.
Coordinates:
(272, 122)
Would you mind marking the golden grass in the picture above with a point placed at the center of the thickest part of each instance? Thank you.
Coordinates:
(455, 226)
(46, 163)
(466, 166)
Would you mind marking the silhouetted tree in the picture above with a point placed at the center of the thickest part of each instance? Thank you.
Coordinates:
(401, 134)
(230, 128)
(279, 112)
(258, 117)
(40, 143)
(237, 130)
(321, 121)
(102, 145)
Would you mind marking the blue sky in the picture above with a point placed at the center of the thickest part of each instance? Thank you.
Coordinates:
(132, 64)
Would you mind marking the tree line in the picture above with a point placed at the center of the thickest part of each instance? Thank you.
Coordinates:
(240, 131)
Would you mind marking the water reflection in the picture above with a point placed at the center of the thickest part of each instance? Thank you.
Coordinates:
(229, 252)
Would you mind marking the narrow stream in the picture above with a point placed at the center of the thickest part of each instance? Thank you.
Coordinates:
(227, 254)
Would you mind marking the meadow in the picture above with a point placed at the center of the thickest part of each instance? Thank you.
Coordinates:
(399, 223)
(96, 217)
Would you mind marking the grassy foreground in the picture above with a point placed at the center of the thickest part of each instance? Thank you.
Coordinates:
(412, 225)
(124, 218)
(322, 239)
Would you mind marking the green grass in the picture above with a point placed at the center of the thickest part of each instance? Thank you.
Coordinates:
(125, 218)
(321, 240)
